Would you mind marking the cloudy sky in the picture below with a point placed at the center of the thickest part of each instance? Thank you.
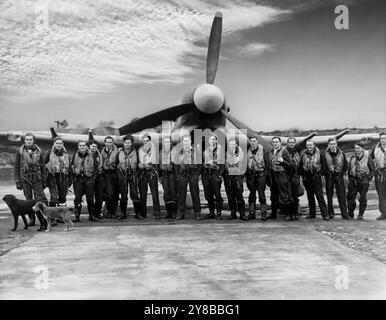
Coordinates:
(283, 64)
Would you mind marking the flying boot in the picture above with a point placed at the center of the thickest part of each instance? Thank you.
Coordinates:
(78, 210)
(137, 210)
(362, 209)
(168, 210)
(211, 214)
(273, 214)
(263, 208)
(218, 210)
(252, 211)
(241, 207)
(232, 207)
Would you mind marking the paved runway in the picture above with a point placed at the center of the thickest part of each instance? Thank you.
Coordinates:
(224, 260)
(190, 260)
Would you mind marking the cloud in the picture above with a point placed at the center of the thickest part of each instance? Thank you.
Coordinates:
(255, 49)
(308, 5)
(62, 48)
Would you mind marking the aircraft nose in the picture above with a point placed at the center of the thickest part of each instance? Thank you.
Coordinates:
(208, 98)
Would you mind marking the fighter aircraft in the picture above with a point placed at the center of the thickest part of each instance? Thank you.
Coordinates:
(204, 107)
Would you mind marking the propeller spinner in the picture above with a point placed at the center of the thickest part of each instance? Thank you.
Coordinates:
(208, 98)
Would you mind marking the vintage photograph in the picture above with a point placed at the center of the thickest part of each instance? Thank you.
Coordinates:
(192, 150)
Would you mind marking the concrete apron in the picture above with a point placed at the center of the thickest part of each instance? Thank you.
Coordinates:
(273, 260)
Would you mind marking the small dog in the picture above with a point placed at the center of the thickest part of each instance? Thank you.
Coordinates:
(55, 212)
(22, 208)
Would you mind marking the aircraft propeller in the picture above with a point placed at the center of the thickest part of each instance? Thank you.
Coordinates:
(207, 98)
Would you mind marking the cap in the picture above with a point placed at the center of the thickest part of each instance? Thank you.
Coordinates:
(360, 143)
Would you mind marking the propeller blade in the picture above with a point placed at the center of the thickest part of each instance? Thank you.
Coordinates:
(214, 48)
(155, 119)
(239, 125)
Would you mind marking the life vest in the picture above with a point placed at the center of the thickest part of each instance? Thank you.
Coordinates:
(186, 159)
(86, 167)
(98, 158)
(311, 162)
(147, 157)
(295, 157)
(58, 164)
(379, 157)
(234, 162)
(30, 161)
(334, 164)
(274, 157)
(127, 161)
(213, 156)
(359, 167)
(109, 159)
(256, 161)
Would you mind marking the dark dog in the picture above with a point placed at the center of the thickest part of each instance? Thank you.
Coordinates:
(55, 212)
(22, 208)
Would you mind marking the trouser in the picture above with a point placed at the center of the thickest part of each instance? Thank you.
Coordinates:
(58, 187)
(256, 182)
(126, 182)
(184, 179)
(98, 194)
(281, 194)
(149, 178)
(110, 191)
(234, 190)
(314, 188)
(380, 185)
(355, 187)
(295, 190)
(169, 185)
(211, 182)
(84, 186)
(337, 181)
(33, 190)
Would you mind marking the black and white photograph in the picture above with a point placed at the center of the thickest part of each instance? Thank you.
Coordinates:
(192, 150)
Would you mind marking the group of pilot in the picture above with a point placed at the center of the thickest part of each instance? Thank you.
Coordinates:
(109, 174)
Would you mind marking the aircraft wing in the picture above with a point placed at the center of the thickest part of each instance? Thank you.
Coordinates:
(10, 141)
(345, 142)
